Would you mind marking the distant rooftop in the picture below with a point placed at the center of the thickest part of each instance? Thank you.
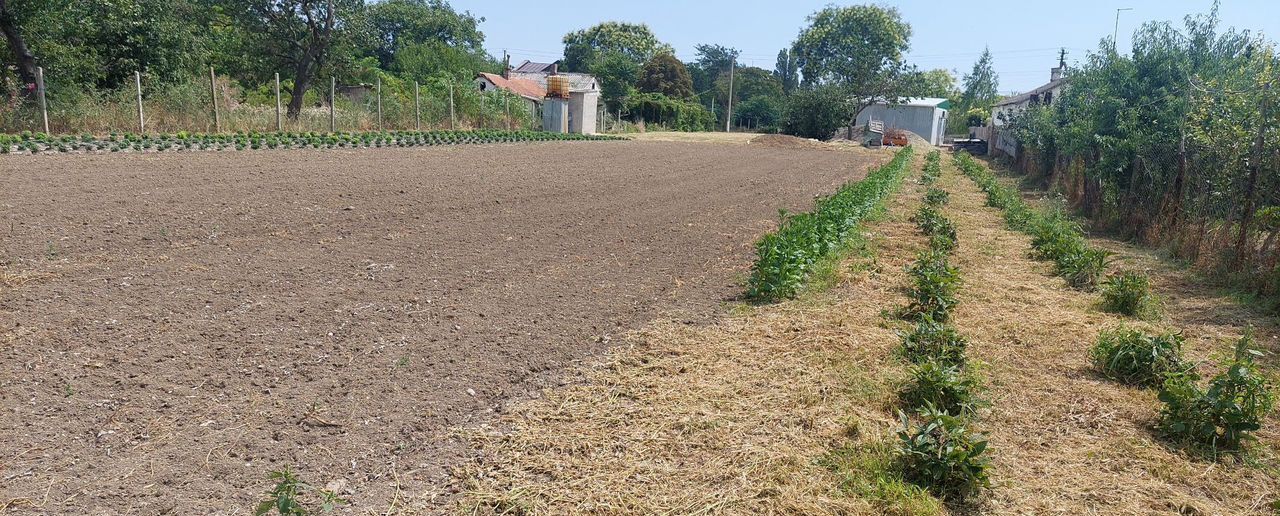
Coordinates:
(531, 67)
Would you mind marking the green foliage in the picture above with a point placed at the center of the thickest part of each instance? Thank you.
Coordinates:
(616, 73)
(934, 286)
(786, 71)
(930, 340)
(764, 111)
(936, 83)
(950, 387)
(936, 226)
(286, 497)
(936, 197)
(816, 112)
(981, 89)
(430, 24)
(676, 114)
(785, 258)
(859, 47)
(942, 455)
(932, 168)
(1129, 293)
(635, 43)
(871, 471)
(666, 75)
(1226, 413)
(1131, 356)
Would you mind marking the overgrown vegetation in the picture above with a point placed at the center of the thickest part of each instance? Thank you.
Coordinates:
(1132, 356)
(129, 142)
(1129, 293)
(1055, 236)
(786, 258)
(1226, 413)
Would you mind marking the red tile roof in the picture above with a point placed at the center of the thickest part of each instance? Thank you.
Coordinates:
(522, 87)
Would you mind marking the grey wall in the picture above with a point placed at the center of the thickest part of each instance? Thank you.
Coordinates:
(926, 121)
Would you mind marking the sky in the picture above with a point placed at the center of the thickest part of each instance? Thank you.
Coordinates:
(1024, 37)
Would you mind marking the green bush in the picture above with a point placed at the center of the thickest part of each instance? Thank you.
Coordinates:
(676, 114)
(785, 258)
(1129, 293)
(816, 112)
(935, 284)
(933, 341)
(1131, 356)
(943, 455)
(1226, 413)
(940, 230)
(936, 197)
(950, 387)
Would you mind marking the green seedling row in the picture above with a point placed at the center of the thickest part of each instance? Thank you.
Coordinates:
(34, 143)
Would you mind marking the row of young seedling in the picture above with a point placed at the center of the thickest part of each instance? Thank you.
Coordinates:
(938, 448)
(1219, 416)
(786, 258)
(34, 143)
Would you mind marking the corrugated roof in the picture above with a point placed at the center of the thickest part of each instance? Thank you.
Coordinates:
(918, 102)
(1019, 99)
(522, 87)
(531, 67)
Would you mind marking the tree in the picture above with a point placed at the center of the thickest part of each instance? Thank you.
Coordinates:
(22, 57)
(981, 86)
(634, 42)
(397, 24)
(859, 49)
(299, 35)
(616, 73)
(816, 112)
(748, 82)
(786, 71)
(715, 57)
(666, 75)
(760, 112)
(938, 83)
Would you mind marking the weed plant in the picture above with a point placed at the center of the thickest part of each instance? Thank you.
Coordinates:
(786, 258)
(1131, 356)
(1226, 413)
(286, 496)
(1129, 293)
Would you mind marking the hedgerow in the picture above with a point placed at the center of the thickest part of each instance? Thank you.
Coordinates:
(128, 142)
(1055, 236)
(785, 258)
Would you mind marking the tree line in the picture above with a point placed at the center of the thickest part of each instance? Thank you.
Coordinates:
(842, 57)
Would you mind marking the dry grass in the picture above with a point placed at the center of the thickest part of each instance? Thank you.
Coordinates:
(768, 411)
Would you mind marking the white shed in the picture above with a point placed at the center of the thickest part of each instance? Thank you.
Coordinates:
(924, 116)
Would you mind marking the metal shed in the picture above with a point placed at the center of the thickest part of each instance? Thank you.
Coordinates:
(927, 117)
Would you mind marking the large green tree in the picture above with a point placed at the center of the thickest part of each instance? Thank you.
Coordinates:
(786, 71)
(398, 24)
(937, 83)
(858, 49)
(586, 47)
(981, 85)
(617, 73)
(666, 75)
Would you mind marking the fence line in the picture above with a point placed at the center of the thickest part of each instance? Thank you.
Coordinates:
(223, 106)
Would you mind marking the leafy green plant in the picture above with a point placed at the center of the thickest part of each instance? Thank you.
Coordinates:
(949, 386)
(935, 284)
(942, 455)
(1129, 293)
(1131, 356)
(932, 168)
(286, 496)
(940, 230)
(930, 340)
(786, 258)
(936, 197)
(1226, 413)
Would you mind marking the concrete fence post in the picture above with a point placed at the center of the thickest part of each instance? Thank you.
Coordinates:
(417, 108)
(44, 105)
(333, 99)
(453, 119)
(142, 124)
(279, 122)
(213, 97)
(379, 104)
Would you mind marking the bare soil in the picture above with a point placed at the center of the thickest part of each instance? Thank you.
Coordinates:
(175, 326)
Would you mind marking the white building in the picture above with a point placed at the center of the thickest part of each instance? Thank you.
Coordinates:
(926, 117)
(584, 93)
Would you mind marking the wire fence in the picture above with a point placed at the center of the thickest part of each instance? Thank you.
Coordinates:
(218, 104)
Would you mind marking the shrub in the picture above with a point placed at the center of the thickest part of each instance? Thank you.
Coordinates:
(1131, 356)
(936, 197)
(950, 387)
(943, 456)
(936, 226)
(785, 258)
(936, 282)
(816, 112)
(933, 341)
(1224, 414)
(1129, 293)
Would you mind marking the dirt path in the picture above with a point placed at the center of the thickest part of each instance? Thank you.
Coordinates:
(174, 326)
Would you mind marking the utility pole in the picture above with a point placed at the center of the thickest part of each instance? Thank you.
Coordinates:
(728, 116)
(1116, 33)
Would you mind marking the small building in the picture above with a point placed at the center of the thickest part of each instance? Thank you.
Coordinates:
(530, 91)
(1007, 108)
(584, 93)
(924, 116)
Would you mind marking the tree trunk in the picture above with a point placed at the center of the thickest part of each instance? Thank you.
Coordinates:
(301, 83)
(21, 54)
(1243, 255)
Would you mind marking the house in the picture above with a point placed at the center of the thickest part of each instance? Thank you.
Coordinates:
(583, 104)
(531, 92)
(927, 117)
(1007, 108)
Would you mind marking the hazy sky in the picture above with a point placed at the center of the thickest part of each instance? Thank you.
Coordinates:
(1024, 37)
